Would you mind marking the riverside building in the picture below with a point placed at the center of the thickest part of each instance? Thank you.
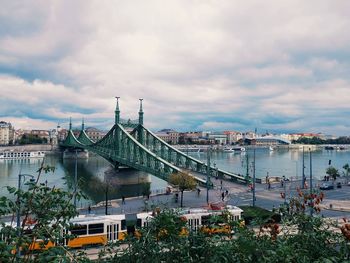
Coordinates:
(7, 133)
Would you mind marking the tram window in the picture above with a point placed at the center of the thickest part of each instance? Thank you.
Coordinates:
(123, 225)
(96, 228)
(139, 223)
(79, 230)
(205, 220)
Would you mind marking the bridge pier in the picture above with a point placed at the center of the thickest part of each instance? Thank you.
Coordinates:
(71, 154)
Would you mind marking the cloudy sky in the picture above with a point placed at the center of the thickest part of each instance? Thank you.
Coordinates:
(281, 66)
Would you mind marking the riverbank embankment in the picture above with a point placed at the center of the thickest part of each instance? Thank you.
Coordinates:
(29, 148)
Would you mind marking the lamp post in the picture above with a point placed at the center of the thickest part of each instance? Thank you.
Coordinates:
(19, 207)
(75, 178)
(208, 172)
(303, 175)
(254, 198)
(296, 170)
(311, 208)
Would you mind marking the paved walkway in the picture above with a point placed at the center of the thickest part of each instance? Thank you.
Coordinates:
(336, 203)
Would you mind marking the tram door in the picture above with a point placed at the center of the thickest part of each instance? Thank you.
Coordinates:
(112, 232)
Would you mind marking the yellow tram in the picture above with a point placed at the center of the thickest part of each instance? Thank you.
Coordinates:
(200, 219)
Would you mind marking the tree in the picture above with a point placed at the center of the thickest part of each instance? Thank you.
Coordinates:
(301, 238)
(183, 181)
(45, 213)
(332, 172)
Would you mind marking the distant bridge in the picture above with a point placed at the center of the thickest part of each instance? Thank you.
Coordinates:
(141, 149)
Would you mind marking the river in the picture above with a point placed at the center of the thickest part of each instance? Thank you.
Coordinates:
(96, 176)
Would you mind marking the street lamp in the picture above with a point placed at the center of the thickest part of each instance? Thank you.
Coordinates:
(75, 178)
(19, 206)
(311, 208)
(303, 179)
(208, 172)
(254, 198)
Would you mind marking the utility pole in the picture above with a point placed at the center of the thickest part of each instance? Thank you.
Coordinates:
(311, 208)
(254, 175)
(208, 172)
(247, 163)
(106, 206)
(303, 175)
(75, 178)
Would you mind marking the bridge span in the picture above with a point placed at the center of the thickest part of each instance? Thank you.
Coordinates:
(141, 149)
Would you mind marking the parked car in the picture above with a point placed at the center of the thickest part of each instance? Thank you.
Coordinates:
(339, 185)
(326, 186)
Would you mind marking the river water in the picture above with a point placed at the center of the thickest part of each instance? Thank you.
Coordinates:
(96, 176)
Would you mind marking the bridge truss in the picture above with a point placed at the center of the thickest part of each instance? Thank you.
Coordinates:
(143, 150)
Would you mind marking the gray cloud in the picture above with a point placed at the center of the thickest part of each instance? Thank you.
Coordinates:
(267, 63)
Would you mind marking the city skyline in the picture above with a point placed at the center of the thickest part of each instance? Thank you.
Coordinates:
(228, 65)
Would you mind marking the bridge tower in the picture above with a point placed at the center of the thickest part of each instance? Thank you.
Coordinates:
(117, 111)
(82, 125)
(117, 133)
(141, 113)
(70, 123)
(140, 129)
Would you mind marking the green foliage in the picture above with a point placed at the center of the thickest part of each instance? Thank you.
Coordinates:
(317, 140)
(44, 214)
(255, 213)
(183, 181)
(332, 172)
(31, 139)
(301, 238)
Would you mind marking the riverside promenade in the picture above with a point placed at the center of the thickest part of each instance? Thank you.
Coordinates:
(335, 204)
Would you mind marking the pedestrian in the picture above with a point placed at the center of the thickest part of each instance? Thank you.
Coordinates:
(226, 192)
(123, 200)
(198, 191)
(222, 196)
(220, 184)
(268, 185)
(282, 182)
(89, 209)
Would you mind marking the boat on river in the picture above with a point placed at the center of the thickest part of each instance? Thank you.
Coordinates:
(238, 149)
(228, 150)
(21, 155)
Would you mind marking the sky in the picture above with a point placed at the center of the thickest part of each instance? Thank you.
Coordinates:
(278, 66)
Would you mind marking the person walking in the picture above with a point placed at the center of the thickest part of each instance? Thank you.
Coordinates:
(89, 209)
(123, 200)
(198, 191)
(222, 196)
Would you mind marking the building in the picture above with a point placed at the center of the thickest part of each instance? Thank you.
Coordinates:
(94, 133)
(296, 136)
(268, 141)
(168, 135)
(42, 134)
(163, 136)
(53, 136)
(61, 134)
(7, 133)
(233, 136)
(190, 137)
(217, 138)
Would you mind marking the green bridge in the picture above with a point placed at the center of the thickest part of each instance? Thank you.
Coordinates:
(143, 150)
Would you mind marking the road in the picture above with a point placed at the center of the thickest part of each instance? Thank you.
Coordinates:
(237, 195)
